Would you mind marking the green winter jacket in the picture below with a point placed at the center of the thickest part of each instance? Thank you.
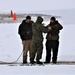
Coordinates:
(37, 29)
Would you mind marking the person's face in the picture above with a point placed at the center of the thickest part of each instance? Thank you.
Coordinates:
(52, 21)
(28, 20)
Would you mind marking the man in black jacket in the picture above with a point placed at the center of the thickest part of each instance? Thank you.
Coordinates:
(25, 32)
(53, 40)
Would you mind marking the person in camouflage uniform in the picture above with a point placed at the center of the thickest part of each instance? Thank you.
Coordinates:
(37, 40)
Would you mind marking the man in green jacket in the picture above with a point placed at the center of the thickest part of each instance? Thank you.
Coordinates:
(53, 40)
(37, 40)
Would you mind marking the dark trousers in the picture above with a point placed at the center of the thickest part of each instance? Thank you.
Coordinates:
(52, 45)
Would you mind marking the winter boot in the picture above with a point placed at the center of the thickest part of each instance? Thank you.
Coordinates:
(46, 62)
(39, 62)
(32, 62)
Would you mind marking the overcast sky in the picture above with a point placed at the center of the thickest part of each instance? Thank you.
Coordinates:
(35, 5)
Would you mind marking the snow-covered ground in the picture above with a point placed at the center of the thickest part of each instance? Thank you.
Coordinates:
(11, 48)
(38, 70)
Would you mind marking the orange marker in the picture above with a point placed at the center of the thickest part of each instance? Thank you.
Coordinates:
(11, 14)
(14, 17)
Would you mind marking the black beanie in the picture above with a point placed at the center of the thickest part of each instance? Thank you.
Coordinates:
(53, 18)
(28, 17)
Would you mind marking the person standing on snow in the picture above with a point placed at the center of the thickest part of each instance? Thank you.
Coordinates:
(53, 40)
(25, 32)
(37, 40)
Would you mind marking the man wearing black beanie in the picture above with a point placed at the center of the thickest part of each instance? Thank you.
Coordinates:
(52, 42)
(25, 32)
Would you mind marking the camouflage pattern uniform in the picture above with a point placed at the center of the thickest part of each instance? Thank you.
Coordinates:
(37, 39)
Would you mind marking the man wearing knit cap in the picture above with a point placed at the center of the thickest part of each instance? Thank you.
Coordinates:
(52, 42)
(25, 32)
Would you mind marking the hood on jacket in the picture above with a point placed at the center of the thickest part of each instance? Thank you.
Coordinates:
(39, 19)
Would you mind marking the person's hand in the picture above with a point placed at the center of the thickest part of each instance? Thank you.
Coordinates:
(49, 28)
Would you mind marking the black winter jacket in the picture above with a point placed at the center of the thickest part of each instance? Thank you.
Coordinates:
(25, 30)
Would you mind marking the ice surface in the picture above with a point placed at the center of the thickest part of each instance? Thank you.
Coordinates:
(38, 70)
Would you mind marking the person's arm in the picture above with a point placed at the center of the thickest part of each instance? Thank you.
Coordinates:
(58, 26)
(45, 29)
(47, 26)
(21, 30)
